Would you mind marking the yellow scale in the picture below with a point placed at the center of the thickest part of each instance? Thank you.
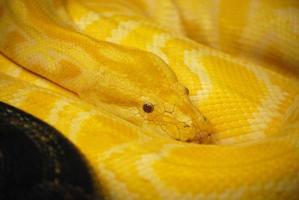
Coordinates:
(62, 61)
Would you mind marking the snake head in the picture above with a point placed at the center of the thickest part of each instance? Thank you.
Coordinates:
(146, 92)
(173, 112)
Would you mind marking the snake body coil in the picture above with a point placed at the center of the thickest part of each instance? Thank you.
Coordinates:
(37, 162)
(166, 99)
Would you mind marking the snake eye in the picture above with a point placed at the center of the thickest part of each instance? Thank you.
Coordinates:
(148, 107)
(187, 91)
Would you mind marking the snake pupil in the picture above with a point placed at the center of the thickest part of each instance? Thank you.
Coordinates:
(187, 91)
(148, 107)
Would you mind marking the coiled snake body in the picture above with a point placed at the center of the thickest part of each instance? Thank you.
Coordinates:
(123, 82)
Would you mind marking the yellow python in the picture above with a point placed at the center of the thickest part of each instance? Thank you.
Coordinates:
(88, 67)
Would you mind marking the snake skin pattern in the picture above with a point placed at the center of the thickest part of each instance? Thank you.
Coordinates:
(222, 77)
(37, 162)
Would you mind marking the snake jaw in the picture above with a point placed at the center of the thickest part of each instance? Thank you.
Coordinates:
(195, 127)
(200, 134)
(202, 137)
(184, 123)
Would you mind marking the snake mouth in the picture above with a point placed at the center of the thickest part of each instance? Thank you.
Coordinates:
(203, 134)
(203, 137)
(185, 124)
(190, 133)
(197, 130)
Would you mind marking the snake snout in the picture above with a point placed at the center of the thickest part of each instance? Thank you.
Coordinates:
(202, 137)
(203, 132)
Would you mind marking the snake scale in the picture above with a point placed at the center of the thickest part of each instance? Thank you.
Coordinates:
(37, 162)
(166, 99)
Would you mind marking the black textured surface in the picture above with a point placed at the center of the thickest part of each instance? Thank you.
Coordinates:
(38, 162)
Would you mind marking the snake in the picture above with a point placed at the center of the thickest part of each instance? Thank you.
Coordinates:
(44, 166)
(165, 99)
